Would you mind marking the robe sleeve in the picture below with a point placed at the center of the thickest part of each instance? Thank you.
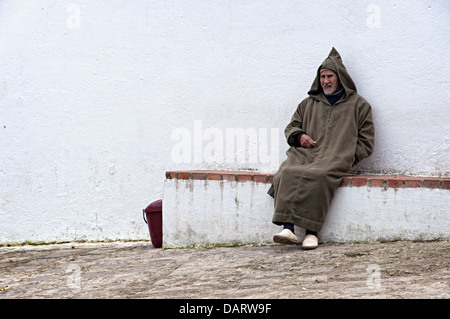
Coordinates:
(294, 128)
(365, 143)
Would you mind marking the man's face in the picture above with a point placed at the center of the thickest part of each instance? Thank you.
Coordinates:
(329, 82)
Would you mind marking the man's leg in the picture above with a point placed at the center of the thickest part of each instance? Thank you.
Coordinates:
(309, 232)
(290, 227)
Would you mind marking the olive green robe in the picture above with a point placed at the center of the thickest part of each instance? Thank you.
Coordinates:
(306, 181)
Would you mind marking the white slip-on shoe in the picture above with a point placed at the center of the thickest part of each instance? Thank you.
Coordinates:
(310, 242)
(285, 237)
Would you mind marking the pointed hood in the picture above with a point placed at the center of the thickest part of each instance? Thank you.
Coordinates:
(333, 62)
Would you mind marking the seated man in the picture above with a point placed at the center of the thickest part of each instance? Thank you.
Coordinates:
(330, 131)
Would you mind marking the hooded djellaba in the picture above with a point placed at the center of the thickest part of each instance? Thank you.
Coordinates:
(342, 128)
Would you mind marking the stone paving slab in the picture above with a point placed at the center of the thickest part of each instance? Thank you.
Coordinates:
(137, 270)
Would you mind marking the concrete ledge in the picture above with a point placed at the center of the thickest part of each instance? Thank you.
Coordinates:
(393, 181)
(228, 207)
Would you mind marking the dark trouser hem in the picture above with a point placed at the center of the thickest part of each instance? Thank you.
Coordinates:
(301, 222)
(310, 232)
(291, 228)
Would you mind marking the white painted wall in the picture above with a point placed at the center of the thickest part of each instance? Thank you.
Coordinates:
(91, 92)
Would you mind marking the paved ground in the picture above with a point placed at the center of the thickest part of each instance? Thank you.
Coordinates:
(137, 270)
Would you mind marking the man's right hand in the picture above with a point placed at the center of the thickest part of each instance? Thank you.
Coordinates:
(306, 141)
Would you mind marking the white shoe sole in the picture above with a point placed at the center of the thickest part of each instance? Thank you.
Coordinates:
(284, 240)
(310, 247)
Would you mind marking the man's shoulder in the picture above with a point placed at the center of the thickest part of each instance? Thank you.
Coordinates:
(359, 99)
(308, 100)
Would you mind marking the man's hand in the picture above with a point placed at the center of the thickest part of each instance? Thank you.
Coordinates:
(306, 141)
